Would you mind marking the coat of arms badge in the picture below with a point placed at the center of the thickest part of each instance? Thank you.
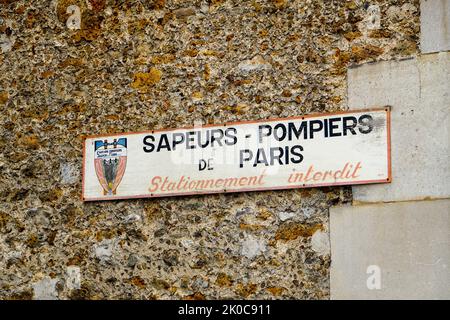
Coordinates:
(110, 163)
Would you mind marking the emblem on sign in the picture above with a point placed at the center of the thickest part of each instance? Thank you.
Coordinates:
(110, 161)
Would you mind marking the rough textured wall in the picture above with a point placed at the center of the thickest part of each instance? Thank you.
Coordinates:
(139, 65)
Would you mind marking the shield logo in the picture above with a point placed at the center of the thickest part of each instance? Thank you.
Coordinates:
(110, 161)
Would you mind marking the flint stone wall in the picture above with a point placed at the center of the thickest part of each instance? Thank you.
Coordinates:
(129, 65)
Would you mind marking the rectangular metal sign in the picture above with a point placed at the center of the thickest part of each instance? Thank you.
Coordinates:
(310, 151)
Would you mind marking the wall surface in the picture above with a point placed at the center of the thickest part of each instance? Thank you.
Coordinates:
(435, 25)
(406, 242)
(418, 91)
(393, 242)
(131, 65)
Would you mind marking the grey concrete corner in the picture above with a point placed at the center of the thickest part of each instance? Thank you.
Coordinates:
(391, 251)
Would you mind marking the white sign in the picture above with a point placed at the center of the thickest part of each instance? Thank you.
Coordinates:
(310, 151)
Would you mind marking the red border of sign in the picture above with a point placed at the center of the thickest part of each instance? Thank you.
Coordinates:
(388, 180)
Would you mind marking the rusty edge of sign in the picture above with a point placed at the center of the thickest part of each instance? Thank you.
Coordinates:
(302, 186)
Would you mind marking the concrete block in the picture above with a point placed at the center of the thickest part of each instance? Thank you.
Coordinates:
(418, 91)
(391, 251)
(434, 25)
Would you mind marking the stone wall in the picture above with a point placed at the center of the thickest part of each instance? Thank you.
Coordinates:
(131, 65)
